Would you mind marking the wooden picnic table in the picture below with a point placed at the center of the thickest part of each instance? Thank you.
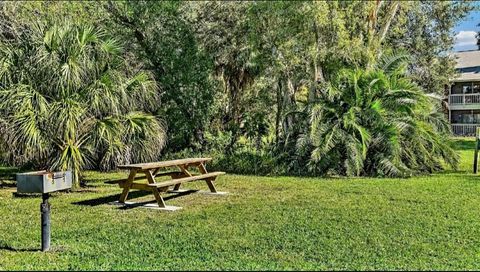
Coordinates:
(152, 170)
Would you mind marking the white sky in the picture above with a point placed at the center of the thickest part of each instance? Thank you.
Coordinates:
(466, 29)
(466, 40)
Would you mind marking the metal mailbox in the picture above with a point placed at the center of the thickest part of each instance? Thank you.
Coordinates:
(43, 181)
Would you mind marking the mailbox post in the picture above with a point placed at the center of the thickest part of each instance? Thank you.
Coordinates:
(477, 145)
(45, 210)
(44, 182)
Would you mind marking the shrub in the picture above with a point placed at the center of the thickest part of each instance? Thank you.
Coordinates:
(246, 163)
(369, 122)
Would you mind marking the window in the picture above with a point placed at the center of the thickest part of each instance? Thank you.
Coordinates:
(467, 88)
(465, 117)
(476, 118)
(476, 87)
(456, 118)
(456, 89)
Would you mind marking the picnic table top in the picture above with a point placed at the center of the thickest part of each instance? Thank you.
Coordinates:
(154, 165)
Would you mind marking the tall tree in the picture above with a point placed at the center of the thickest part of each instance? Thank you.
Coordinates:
(425, 31)
(159, 34)
(223, 30)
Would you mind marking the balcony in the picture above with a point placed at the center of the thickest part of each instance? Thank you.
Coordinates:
(464, 101)
(464, 129)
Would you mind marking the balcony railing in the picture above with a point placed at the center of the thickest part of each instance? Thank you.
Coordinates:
(464, 129)
(458, 99)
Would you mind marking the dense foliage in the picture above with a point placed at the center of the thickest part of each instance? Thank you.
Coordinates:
(69, 102)
(372, 123)
(283, 87)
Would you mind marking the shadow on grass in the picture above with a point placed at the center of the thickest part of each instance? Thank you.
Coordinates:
(173, 196)
(52, 194)
(108, 199)
(134, 194)
(454, 172)
(464, 143)
(9, 184)
(12, 249)
(460, 176)
(7, 177)
(8, 172)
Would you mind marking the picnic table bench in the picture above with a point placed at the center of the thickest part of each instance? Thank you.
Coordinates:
(152, 170)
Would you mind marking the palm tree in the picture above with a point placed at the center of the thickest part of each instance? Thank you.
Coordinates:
(69, 100)
(371, 122)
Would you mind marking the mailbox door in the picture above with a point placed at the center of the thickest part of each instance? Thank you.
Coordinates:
(28, 183)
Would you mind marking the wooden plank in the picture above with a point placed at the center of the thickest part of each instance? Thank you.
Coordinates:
(185, 173)
(211, 175)
(211, 186)
(179, 175)
(177, 187)
(137, 186)
(155, 172)
(155, 165)
(123, 180)
(171, 173)
(184, 170)
(156, 193)
(127, 186)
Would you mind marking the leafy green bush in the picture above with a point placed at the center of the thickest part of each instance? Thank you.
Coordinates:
(376, 123)
(246, 163)
(68, 100)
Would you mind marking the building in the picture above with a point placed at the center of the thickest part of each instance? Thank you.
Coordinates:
(464, 94)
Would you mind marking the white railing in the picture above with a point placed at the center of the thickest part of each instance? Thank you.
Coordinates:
(455, 99)
(464, 129)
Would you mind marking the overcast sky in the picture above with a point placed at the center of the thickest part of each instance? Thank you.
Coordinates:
(466, 32)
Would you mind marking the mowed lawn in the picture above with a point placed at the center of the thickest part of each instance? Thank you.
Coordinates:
(429, 222)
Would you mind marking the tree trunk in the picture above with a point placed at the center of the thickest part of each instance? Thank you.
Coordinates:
(279, 112)
(290, 102)
(391, 15)
(318, 77)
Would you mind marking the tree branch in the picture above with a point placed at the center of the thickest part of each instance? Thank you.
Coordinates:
(155, 64)
(393, 11)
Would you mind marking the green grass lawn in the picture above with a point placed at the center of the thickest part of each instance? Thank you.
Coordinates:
(429, 222)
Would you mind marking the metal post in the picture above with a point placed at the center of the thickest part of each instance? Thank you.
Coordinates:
(45, 210)
(475, 158)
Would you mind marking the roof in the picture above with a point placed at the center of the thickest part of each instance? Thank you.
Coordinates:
(467, 59)
(468, 65)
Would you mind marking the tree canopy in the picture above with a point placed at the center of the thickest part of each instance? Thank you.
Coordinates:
(324, 86)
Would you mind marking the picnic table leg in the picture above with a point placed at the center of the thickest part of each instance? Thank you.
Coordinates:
(127, 186)
(185, 172)
(203, 170)
(156, 193)
(155, 172)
